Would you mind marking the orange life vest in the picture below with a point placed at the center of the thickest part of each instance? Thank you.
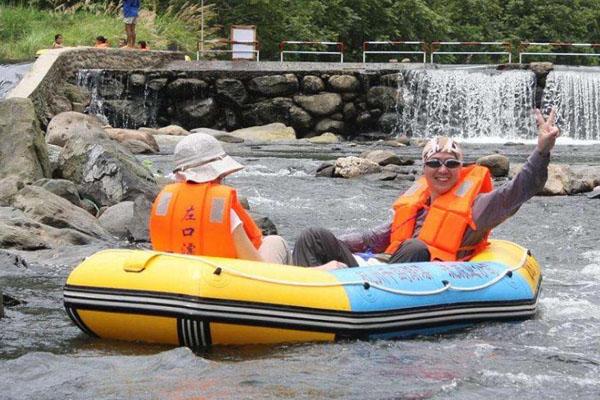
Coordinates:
(448, 216)
(194, 218)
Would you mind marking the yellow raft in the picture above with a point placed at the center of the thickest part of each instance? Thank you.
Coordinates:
(198, 301)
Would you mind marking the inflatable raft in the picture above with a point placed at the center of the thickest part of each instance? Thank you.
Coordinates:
(198, 301)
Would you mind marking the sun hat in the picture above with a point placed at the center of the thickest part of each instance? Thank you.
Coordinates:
(200, 158)
(442, 144)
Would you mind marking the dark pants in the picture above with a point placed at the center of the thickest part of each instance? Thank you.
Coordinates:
(317, 246)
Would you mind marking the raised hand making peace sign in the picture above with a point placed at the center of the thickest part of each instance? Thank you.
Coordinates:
(547, 131)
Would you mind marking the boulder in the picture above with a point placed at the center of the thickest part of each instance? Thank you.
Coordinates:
(23, 151)
(264, 223)
(325, 170)
(300, 119)
(174, 130)
(267, 133)
(268, 111)
(312, 84)
(76, 94)
(53, 155)
(343, 83)
(185, 89)
(351, 167)
(193, 114)
(62, 188)
(325, 138)
(594, 194)
(274, 85)
(389, 122)
(393, 80)
(9, 187)
(541, 68)
(49, 209)
(130, 137)
(320, 104)
(567, 180)
(330, 125)
(71, 124)
(383, 157)
(136, 81)
(382, 176)
(231, 92)
(349, 112)
(384, 98)
(498, 164)
(18, 231)
(106, 172)
(128, 220)
(167, 143)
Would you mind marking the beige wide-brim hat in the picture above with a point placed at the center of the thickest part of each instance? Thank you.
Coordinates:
(200, 158)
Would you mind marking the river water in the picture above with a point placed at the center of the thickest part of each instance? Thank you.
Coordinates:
(555, 355)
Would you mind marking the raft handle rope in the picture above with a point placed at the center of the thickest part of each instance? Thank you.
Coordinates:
(219, 269)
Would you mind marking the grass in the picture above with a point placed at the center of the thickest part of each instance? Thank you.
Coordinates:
(25, 30)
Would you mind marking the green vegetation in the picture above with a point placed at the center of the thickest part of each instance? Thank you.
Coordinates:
(27, 25)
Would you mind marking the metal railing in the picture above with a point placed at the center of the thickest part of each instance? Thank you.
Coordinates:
(366, 50)
(436, 45)
(338, 45)
(525, 45)
(202, 50)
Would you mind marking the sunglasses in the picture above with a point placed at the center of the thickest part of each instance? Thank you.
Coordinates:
(450, 163)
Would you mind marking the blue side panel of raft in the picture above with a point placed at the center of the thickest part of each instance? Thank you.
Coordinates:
(429, 276)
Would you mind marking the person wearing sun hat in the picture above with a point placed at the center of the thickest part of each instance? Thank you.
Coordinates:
(199, 215)
(446, 215)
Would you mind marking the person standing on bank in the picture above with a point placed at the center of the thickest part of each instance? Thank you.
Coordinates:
(446, 215)
(199, 215)
(131, 9)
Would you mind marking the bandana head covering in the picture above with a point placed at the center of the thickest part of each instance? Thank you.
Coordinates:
(442, 144)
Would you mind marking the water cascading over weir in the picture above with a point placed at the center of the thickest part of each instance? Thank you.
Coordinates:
(472, 103)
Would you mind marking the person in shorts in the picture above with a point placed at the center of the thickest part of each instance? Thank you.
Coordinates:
(131, 9)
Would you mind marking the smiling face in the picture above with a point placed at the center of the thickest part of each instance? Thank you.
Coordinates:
(442, 179)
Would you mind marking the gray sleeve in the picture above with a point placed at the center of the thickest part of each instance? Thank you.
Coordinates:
(376, 240)
(491, 209)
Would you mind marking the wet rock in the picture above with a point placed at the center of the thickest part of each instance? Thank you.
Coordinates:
(111, 89)
(231, 92)
(76, 94)
(312, 84)
(126, 113)
(325, 170)
(269, 111)
(351, 167)
(137, 141)
(62, 188)
(393, 80)
(383, 157)
(382, 176)
(49, 209)
(53, 154)
(384, 98)
(274, 85)
(541, 68)
(106, 172)
(300, 119)
(11, 261)
(349, 96)
(267, 133)
(389, 122)
(594, 194)
(364, 119)
(325, 138)
(185, 89)
(343, 83)
(498, 164)
(71, 124)
(157, 85)
(320, 104)
(264, 223)
(567, 180)
(349, 112)
(193, 114)
(23, 150)
(330, 125)
(174, 130)
(137, 81)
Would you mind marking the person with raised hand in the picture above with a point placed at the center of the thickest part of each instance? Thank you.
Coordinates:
(447, 215)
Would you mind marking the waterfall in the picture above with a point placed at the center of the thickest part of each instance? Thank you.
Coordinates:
(10, 75)
(576, 96)
(469, 104)
(89, 79)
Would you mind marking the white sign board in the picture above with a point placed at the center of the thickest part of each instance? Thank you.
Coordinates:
(243, 33)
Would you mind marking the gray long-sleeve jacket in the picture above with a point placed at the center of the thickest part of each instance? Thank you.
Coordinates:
(489, 209)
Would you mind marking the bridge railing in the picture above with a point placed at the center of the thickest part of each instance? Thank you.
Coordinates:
(435, 49)
(555, 45)
(397, 47)
(332, 48)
